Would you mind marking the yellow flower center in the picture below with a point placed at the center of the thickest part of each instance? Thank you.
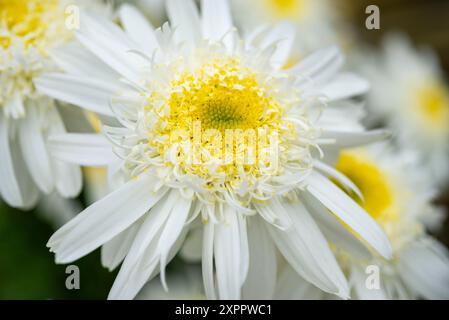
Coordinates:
(374, 184)
(433, 103)
(223, 95)
(28, 20)
(217, 121)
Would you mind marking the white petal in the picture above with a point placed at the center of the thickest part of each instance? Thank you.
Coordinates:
(227, 255)
(143, 257)
(320, 66)
(16, 186)
(138, 28)
(76, 60)
(172, 229)
(424, 267)
(343, 86)
(334, 231)
(82, 148)
(261, 281)
(350, 139)
(338, 176)
(114, 251)
(346, 209)
(110, 44)
(68, 177)
(282, 36)
(291, 286)
(305, 248)
(34, 150)
(103, 220)
(207, 261)
(90, 94)
(217, 21)
(184, 17)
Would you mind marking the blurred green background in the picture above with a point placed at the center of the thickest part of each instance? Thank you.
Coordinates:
(27, 268)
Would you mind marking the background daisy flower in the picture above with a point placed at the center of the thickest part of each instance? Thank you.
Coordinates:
(29, 31)
(411, 95)
(400, 199)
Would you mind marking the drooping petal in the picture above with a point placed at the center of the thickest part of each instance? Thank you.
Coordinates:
(16, 186)
(261, 281)
(333, 229)
(208, 262)
(114, 251)
(141, 263)
(34, 150)
(105, 219)
(227, 253)
(305, 248)
(347, 210)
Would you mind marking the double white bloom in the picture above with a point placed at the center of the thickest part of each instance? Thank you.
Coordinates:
(29, 31)
(150, 81)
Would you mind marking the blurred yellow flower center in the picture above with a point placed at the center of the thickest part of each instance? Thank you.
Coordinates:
(376, 188)
(434, 105)
(26, 19)
(286, 8)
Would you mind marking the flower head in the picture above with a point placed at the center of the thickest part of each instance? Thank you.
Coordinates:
(410, 95)
(213, 131)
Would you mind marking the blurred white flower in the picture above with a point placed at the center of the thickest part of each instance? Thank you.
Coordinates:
(154, 82)
(317, 22)
(398, 195)
(410, 94)
(29, 31)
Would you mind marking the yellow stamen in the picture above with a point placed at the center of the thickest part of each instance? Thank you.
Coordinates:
(433, 103)
(289, 9)
(28, 20)
(222, 96)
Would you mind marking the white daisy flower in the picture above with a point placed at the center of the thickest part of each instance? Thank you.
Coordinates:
(410, 93)
(154, 82)
(29, 31)
(398, 196)
(317, 21)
